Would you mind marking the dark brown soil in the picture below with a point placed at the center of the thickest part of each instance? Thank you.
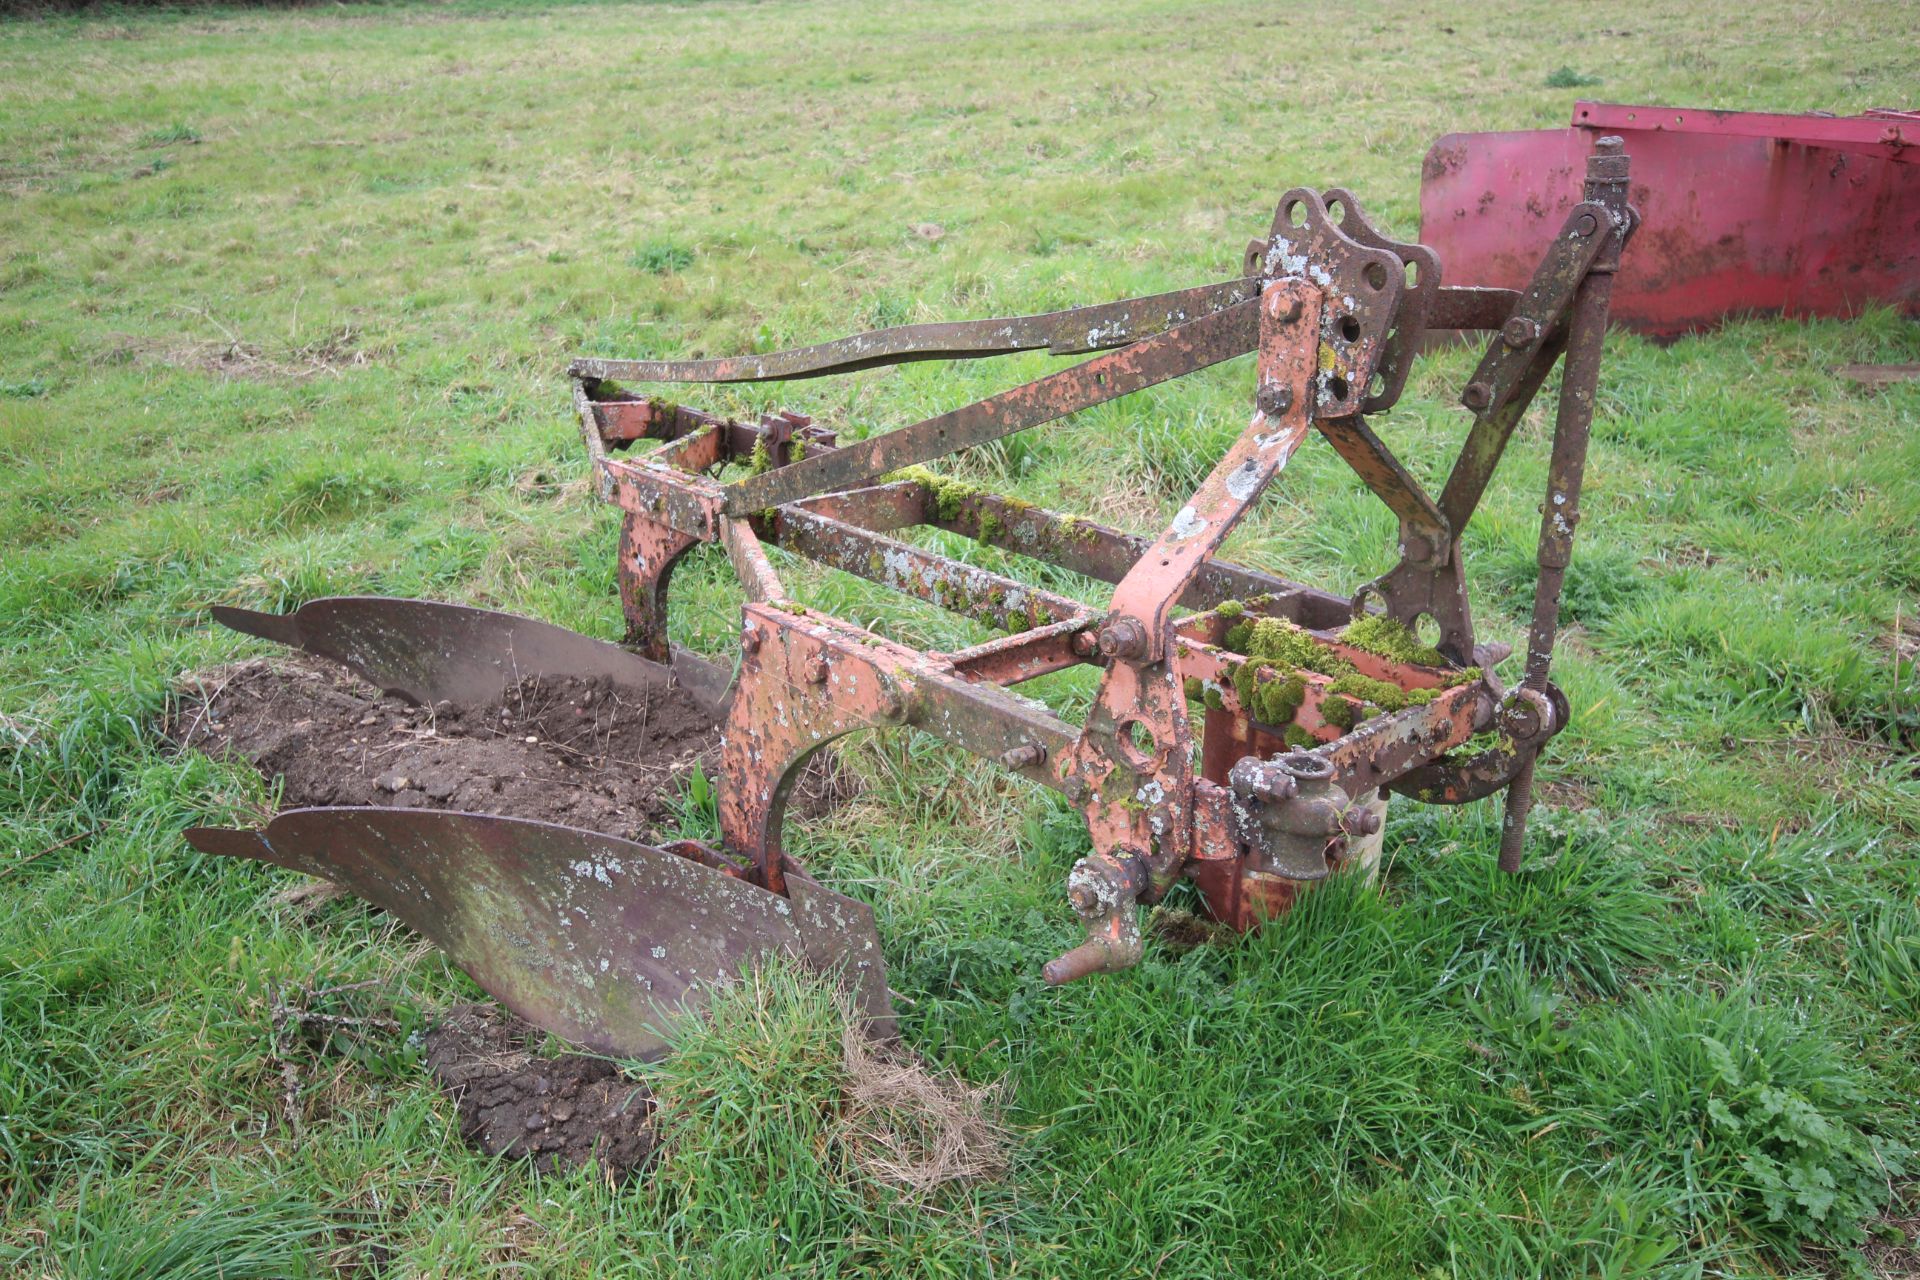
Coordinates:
(560, 1112)
(1893, 1248)
(572, 751)
(569, 751)
(1181, 931)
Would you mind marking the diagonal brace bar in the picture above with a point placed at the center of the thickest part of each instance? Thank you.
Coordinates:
(1191, 346)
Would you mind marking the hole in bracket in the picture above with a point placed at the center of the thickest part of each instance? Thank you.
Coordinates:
(1137, 744)
(1375, 275)
(1349, 327)
(1297, 212)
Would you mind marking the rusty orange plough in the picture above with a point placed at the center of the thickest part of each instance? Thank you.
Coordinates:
(1308, 704)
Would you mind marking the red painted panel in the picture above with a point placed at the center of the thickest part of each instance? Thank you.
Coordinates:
(1742, 211)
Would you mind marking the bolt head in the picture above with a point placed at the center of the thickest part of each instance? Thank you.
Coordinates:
(1587, 225)
(1022, 756)
(1285, 310)
(817, 671)
(1520, 331)
(1123, 638)
(1085, 643)
(750, 639)
(1274, 401)
(1252, 782)
(1477, 396)
(1276, 790)
(1417, 547)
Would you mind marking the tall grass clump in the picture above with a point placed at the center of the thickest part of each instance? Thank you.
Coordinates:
(1786, 1143)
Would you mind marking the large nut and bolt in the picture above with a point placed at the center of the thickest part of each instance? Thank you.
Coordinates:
(1520, 332)
(1023, 757)
(1252, 780)
(889, 702)
(1273, 401)
(1085, 644)
(1477, 396)
(1123, 638)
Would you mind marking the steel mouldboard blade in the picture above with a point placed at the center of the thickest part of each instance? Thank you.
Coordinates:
(600, 940)
(433, 652)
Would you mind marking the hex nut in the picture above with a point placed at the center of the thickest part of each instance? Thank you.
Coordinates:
(1273, 401)
(1520, 331)
(1123, 638)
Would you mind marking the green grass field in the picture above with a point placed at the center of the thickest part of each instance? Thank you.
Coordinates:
(285, 299)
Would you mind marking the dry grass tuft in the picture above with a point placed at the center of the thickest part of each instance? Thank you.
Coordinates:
(913, 1127)
(229, 357)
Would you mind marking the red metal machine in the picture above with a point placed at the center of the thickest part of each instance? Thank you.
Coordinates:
(1744, 211)
(1240, 721)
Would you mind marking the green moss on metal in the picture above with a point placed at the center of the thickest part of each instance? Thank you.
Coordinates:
(1069, 529)
(1270, 692)
(1277, 640)
(1381, 635)
(1388, 697)
(1480, 744)
(948, 494)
